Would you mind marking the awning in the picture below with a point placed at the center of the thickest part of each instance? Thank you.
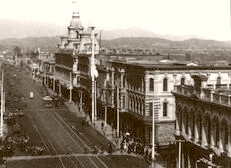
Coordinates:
(62, 80)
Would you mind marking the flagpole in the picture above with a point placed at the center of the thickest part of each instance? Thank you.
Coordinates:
(92, 78)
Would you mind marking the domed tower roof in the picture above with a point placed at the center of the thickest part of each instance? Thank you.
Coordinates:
(75, 21)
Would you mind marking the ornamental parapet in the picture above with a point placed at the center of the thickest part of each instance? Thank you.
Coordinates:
(218, 96)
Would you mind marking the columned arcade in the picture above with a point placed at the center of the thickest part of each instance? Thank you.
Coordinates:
(203, 121)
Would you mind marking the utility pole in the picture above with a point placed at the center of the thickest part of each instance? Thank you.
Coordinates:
(16, 59)
(179, 151)
(45, 71)
(153, 135)
(92, 78)
(71, 87)
(95, 102)
(2, 106)
(105, 107)
(118, 110)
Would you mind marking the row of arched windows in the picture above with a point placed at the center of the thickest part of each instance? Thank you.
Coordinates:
(182, 82)
(165, 83)
(136, 104)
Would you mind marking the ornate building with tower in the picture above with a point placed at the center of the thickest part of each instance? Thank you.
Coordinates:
(72, 68)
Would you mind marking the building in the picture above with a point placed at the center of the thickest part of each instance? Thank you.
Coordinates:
(71, 78)
(128, 91)
(138, 89)
(203, 121)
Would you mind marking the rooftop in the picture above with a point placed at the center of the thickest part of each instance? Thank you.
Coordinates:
(166, 64)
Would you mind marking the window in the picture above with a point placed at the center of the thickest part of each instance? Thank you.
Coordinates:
(151, 84)
(165, 109)
(218, 82)
(150, 109)
(123, 101)
(182, 81)
(226, 134)
(217, 133)
(123, 80)
(165, 84)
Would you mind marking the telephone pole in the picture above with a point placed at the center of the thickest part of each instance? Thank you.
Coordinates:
(92, 77)
(2, 106)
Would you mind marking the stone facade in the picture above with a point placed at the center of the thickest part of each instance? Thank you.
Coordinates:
(145, 89)
(203, 122)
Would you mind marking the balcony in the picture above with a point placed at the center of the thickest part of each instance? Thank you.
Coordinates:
(213, 95)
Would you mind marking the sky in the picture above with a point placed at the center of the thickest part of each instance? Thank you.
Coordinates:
(203, 18)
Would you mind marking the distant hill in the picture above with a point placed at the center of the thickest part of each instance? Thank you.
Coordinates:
(139, 32)
(50, 43)
(20, 29)
(45, 43)
(158, 43)
(23, 29)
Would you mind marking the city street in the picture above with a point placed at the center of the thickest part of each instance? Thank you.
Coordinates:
(67, 142)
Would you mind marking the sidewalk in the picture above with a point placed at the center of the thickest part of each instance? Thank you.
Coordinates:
(107, 131)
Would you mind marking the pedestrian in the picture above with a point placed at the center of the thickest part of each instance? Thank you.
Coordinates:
(146, 154)
(129, 148)
(94, 151)
(102, 125)
(110, 148)
(122, 146)
(150, 156)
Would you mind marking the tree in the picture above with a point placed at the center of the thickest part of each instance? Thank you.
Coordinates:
(17, 51)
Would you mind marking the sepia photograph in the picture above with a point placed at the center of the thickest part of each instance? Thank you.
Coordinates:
(115, 84)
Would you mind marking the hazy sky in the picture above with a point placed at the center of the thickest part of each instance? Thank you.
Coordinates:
(206, 18)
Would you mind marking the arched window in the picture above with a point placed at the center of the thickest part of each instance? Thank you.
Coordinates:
(209, 131)
(193, 125)
(199, 121)
(165, 84)
(182, 81)
(165, 109)
(218, 82)
(217, 133)
(151, 84)
(186, 122)
(226, 132)
(150, 109)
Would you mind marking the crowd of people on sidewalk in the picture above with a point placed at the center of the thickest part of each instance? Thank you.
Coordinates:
(131, 145)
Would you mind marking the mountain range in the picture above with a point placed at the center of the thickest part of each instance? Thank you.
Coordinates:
(33, 34)
(23, 29)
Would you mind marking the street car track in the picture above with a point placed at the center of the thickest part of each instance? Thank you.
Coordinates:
(64, 122)
(45, 115)
(60, 122)
(59, 147)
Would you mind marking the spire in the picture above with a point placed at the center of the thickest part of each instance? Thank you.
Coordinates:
(75, 21)
(75, 12)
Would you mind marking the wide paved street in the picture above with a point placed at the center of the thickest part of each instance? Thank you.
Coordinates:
(67, 142)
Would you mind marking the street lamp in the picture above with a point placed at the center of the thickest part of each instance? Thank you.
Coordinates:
(156, 107)
(118, 110)
(106, 103)
(94, 74)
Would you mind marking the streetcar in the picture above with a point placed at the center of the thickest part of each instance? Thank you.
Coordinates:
(31, 95)
(47, 101)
